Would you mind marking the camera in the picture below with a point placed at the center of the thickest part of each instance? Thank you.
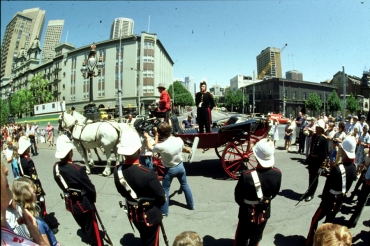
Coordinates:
(146, 125)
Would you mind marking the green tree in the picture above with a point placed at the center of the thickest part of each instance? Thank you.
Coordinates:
(182, 96)
(230, 99)
(21, 102)
(239, 99)
(313, 102)
(4, 111)
(352, 104)
(334, 104)
(38, 86)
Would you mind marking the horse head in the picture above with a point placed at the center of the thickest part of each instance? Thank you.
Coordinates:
(66, 121)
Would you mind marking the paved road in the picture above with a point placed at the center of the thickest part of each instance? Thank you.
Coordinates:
(215, 214)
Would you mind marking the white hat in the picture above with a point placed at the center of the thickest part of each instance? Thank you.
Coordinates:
(24, 143)
(321, 123)
(64, 145)
(264, 152)
(130, 143)
(349, 146)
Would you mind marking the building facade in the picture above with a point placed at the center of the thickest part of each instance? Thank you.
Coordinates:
(122, 26)
(294, 75)
(269, 63)
(23, 28)
(52, 39)
(144, 64)
(190, 85)
(239, 81)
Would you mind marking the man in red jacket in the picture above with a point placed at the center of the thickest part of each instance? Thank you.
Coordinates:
(164, 101)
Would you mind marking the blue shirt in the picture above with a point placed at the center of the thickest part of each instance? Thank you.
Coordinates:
(44, 229)
(188, 123)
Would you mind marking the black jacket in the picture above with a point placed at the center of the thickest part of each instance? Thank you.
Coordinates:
(206, 99)
(29, 170)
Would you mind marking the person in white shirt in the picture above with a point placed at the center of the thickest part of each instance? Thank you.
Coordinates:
(349, 125)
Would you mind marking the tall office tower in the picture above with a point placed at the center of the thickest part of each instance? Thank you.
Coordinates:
(23, 28)
(269, 63)
(126, 26)
(294, 75)
(52, 39)
(189, 85)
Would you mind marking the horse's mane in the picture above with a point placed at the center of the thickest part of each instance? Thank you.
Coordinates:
(79, 117)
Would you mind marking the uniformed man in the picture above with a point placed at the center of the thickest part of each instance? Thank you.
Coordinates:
(254, 192)
(27, 169)
(336, 187)
(141, 189)
(79, 192)
(318, 154)
(205, 103)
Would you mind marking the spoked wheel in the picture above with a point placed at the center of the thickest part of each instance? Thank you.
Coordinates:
(238, 157)
(158, 166)
(219, 150)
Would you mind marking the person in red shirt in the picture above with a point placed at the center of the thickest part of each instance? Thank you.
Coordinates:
(164, 101)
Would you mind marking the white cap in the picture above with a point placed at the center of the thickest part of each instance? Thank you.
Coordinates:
(130, 143)
(64, 145)
(264, 152)
(349, 146)
(321, 123)
(24, 143)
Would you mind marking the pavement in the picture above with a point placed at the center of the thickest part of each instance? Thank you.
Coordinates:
(216, 214)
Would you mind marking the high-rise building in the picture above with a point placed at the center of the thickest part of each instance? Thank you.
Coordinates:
(52, 39)
(294, 75)
(269, 63)
(123, 26)
(23, 28)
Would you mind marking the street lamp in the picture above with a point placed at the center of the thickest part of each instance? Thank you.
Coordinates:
(138, 91)
(9, 94)
(92, 68)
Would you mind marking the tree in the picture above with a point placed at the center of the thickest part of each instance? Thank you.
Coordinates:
(182, 96)
(38, 86)
(21, 102)
(230, 99)
(313, 102)
(334, 104)
(352, 104)
(4, 112)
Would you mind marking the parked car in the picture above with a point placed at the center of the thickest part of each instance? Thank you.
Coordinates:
(281, 119)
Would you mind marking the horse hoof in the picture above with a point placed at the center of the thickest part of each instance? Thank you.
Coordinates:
(88, 172)
(106, 173)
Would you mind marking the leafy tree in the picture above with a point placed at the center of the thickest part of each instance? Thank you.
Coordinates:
(38, 86)
(352, 104)
(21, 102)
(182, 96)
(313, 102)
(334, 103)
(4, 112)
(239, 99)
(230, 99)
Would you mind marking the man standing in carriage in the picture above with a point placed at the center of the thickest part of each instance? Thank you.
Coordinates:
(254, 192)
(164, 101)
(205, 103)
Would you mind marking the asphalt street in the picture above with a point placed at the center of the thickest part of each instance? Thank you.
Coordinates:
(215, 215)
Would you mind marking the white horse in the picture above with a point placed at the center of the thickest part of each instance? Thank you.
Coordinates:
(93, 135)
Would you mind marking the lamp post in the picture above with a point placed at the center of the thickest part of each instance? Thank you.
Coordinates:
(119, 78)
(90, 69)
(9, 94)
(138, 92)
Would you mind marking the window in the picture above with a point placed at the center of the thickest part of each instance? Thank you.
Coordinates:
(294, 94)
(304, 95)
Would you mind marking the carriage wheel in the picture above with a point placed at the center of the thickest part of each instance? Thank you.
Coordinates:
(238, 157)
(219, 150)
(158, 166)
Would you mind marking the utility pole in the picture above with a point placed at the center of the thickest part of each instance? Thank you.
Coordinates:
(254, 73)
(344, 94)
(243, 102)
(284, 98)
(324, 104)
(119, 78)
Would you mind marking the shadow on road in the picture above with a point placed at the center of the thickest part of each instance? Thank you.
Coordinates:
(207, 168)
(301, 160)
(211, 241)
(130, 239)
(281, 240)
(290, 194)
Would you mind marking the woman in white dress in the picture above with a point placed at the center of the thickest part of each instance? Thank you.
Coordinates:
(275, 136)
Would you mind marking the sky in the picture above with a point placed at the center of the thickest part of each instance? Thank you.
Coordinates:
(219, 40)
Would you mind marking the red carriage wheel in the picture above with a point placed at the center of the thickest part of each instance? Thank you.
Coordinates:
(219, 150)
(158, 166)
(238, 156)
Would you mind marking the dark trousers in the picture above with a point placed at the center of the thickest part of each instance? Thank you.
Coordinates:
(33, 145)
(313, 169)
(301, 141)
(328, 210)
(248, 231)
(89, 225)
(149, 235)
(361, 201)
(204, 119)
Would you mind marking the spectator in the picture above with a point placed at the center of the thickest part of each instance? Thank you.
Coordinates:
(187, 238)
(50, 131)
(364, 141)
(311, 129)
(288, 134)
(349, 125)
(8, 151)
(275, 131)
(146, 156)
(301, 136)
(189, 122)
(35, 128)
(42, 137)
(15, 162)
(329, 234)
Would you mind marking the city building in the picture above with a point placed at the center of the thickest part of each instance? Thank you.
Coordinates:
(52, 39)
(145, 64)
(269, 63)
(122, 26)
(190, 85)
(217, 90)
(239, 81)
(22, 29)
(294, 75)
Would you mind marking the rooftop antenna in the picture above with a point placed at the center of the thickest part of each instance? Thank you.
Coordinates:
(149, 24)
(67, 37)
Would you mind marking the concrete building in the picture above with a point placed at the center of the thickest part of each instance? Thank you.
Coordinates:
(123, 26)
(294, 75)
(52, 39)
(217, 90)
(269, 63)
(239, 81)
(190, 85)
(23, 28)
(145, 64)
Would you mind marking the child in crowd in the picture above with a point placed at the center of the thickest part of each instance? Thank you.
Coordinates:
(15, 162)
(288, 135)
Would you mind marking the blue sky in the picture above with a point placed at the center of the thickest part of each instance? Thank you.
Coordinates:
(218, 40)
